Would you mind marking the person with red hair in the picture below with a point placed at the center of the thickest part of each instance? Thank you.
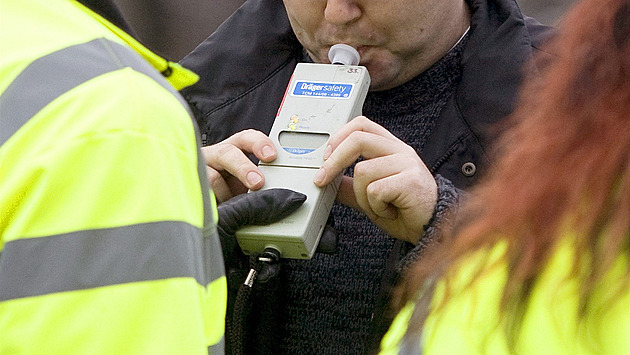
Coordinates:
(540, 259)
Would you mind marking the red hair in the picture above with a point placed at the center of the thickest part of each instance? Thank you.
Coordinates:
(565, 163)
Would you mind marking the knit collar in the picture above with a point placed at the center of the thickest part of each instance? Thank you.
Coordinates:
(422, 89)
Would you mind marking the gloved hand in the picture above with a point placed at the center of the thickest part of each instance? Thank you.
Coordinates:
(256, 208)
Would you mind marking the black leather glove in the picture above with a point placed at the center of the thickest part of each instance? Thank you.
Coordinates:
(255, 208)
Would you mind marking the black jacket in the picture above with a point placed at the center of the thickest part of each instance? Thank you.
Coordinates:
(246, 65)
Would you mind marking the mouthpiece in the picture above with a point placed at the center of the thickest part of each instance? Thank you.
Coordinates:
(343, 54)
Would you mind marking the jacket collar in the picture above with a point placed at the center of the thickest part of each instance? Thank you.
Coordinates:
(178, 76)
(492, 64)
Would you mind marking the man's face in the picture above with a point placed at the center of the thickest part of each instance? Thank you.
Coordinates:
(397, 39)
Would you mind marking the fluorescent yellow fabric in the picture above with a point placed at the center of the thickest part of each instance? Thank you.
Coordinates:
(103, 172)
(391, 341)
(468, 324)
(117, 150)
(108, 320)
(215, 310)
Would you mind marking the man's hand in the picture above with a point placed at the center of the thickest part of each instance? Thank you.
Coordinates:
(392, 186)
(230, 172)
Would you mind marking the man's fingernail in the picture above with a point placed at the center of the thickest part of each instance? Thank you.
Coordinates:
(253, 178)
(268, 151)
(319, 177)
(327, 151)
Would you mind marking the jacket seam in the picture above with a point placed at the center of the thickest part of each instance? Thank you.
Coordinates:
(451, 150)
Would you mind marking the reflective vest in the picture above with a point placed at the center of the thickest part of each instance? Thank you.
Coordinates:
(107, 227)
(469, 322)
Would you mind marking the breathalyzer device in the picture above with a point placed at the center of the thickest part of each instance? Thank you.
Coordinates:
(319, 99)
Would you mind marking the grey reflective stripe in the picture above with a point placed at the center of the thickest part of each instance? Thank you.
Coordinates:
(218, 348)
(102, 257)
(410, 347)
(48, 77)
(213, 255)
(212, 244)
(129, 58)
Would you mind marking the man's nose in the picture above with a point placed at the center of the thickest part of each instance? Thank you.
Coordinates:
(342, 12)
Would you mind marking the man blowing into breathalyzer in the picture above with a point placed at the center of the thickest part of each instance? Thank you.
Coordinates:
(442, 74)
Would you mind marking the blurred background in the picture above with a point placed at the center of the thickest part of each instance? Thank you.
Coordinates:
(172, 28)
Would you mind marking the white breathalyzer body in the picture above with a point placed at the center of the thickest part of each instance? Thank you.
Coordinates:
(319, 99)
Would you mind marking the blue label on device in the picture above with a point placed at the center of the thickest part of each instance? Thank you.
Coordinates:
(315, 89)
(298, 150)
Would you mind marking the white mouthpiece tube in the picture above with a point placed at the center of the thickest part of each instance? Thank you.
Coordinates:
(343, 54)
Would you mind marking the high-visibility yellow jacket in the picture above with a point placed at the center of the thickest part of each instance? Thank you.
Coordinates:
(469, 321)
(107, 226)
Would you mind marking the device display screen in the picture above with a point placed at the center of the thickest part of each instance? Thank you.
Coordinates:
(301, 142)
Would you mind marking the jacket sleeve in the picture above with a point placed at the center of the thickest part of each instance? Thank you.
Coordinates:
(444, 214)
